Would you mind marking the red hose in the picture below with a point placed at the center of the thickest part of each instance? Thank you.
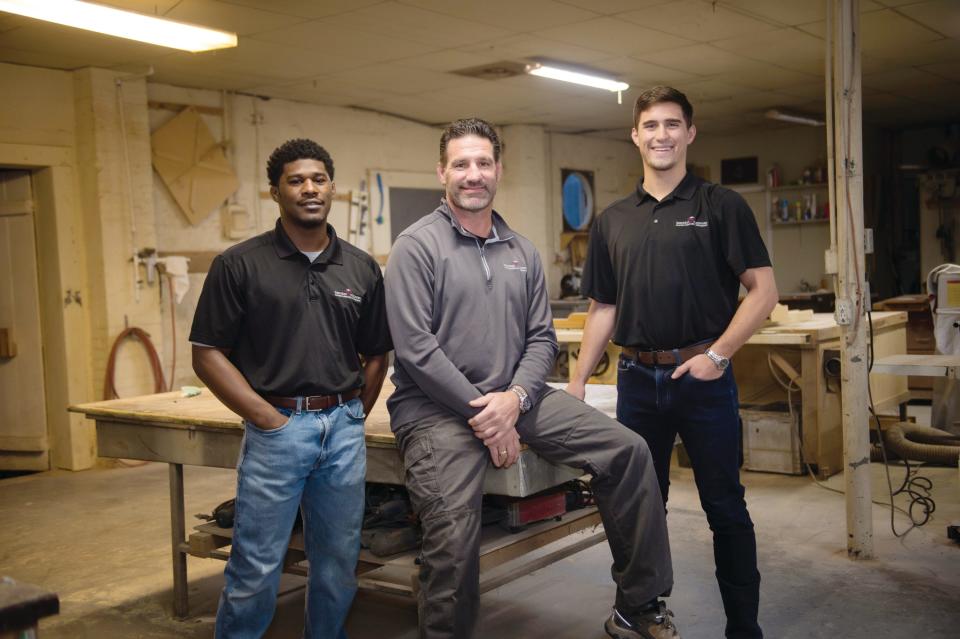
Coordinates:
(159, 385)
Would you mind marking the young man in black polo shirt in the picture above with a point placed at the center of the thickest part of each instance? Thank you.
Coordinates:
(279, 330)
(663, 271)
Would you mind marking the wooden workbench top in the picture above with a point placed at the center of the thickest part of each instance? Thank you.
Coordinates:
(819, 329)
(206, 411)
(823, 327)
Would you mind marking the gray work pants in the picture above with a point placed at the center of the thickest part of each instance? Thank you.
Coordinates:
(445, 464)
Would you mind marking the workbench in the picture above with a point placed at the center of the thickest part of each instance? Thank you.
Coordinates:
(805, 346)
(201, 431)
(920, 338)
(947, 366)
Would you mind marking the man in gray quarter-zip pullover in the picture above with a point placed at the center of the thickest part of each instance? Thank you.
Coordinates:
(470, 320)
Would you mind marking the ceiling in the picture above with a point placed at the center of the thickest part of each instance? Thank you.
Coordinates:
(733, 58)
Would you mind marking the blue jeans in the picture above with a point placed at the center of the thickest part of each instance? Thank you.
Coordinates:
(706, 416)
(317, 462)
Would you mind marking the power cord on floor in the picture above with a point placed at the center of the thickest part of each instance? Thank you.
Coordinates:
(915, 486)
(790, 387)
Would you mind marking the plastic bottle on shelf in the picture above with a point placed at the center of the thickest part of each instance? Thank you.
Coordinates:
(773, 177)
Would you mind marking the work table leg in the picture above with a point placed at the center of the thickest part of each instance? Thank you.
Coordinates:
(178, 542)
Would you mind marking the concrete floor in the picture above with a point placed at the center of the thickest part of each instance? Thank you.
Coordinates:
(100, 539)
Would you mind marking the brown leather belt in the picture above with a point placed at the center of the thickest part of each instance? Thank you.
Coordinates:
(312, 402)
(665, 358)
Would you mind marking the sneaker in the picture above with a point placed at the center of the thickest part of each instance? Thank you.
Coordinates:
(655, 624)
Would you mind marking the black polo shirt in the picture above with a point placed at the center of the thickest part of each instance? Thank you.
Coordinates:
(292, 327)
(672, 267)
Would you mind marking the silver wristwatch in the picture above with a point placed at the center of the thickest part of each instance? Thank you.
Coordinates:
(718, 360)
(524, 398)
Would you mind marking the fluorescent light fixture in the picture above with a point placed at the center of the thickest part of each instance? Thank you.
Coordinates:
(795, 118)
(576, 77)
(123, 24)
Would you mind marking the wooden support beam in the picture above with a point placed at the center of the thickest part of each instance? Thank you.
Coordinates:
(851, 292)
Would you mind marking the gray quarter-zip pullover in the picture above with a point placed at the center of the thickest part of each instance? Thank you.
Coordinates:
(467, 317)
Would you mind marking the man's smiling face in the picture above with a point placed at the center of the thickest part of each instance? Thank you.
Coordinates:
(662, 135)
(304, 192)
(471, 173)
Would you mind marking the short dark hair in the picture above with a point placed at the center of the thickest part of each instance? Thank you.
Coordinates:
(656, 95)
(469, 126)
(293, 150)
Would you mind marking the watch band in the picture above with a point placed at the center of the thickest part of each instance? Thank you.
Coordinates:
(718, 360)
(524, 398)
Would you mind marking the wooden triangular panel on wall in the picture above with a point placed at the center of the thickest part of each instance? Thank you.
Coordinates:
(192, 165)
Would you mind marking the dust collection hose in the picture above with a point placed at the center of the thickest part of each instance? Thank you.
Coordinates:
(907, 440)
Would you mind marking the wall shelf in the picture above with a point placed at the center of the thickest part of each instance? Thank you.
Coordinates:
(816, 220)
(798, 187)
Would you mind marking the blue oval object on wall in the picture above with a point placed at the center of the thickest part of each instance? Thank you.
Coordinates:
(577, 201)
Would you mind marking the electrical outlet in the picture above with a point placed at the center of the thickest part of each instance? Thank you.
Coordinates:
(830, 262)
(844, 312)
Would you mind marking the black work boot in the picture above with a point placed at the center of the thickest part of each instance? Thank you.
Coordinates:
(654, 624)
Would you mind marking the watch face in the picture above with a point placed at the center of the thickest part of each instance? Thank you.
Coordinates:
(720, 361)
(524, 398)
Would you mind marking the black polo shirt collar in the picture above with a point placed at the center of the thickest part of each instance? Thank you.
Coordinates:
(285, 247)
(683, 191)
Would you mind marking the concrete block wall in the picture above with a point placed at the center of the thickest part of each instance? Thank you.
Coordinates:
(252, 128)
(524, 196)
(114, 160)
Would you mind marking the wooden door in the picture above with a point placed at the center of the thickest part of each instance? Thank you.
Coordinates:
(23, 418)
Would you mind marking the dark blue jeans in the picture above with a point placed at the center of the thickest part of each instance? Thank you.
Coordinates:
(706, 416)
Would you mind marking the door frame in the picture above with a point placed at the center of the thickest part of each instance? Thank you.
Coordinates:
(61, 266)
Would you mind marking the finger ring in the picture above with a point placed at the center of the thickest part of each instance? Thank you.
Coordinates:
(502, 452)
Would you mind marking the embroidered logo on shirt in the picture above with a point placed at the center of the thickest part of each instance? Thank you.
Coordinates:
(516, 266)
(347, 294)
(692, 221)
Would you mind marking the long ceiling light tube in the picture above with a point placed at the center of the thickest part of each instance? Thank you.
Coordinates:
(576, 77)
(783, 116)
(123, 24)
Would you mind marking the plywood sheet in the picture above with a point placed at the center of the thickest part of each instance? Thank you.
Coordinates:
(192, 165)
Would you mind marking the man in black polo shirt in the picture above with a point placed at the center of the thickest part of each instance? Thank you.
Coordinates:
(279, 330)
(663, 271)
